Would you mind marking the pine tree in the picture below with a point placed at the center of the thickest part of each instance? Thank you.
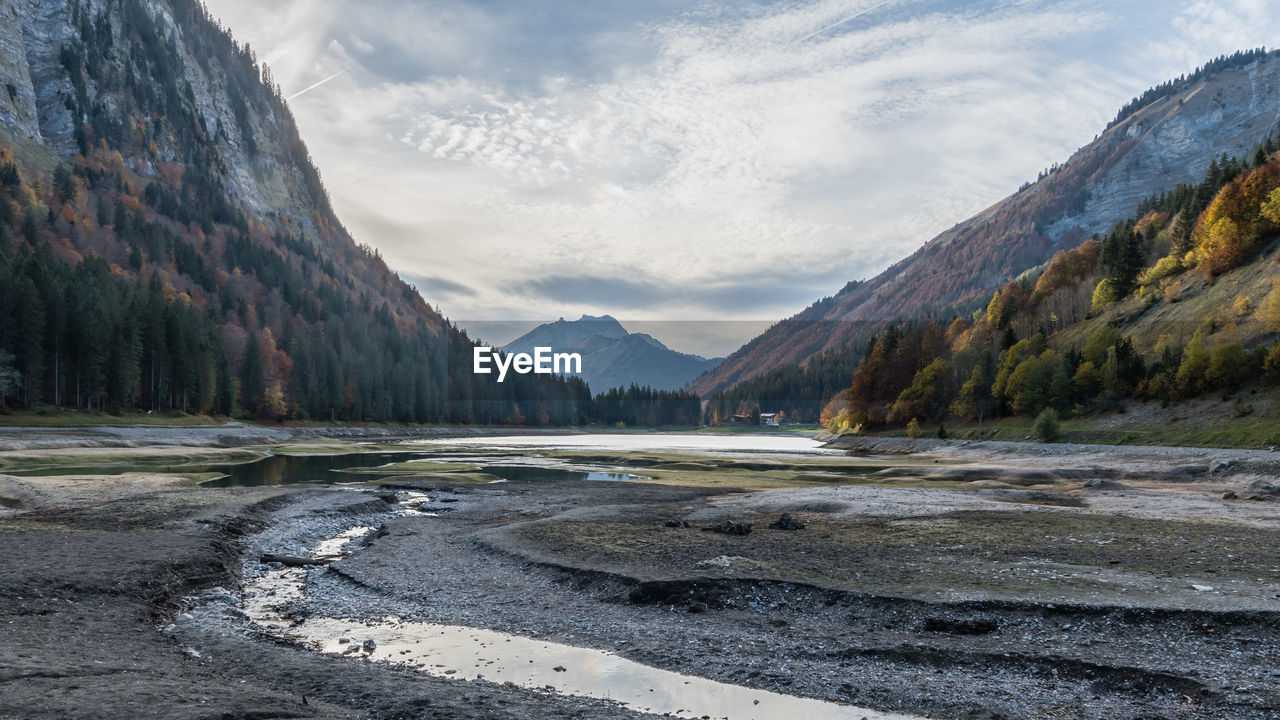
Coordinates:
(251, 375)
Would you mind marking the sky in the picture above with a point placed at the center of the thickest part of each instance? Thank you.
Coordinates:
(697, 170)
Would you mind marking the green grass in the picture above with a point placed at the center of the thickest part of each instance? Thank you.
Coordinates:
(1249, 432)
(62, 417)
(165, 460)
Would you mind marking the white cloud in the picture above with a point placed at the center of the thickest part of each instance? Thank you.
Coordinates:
(725, 145)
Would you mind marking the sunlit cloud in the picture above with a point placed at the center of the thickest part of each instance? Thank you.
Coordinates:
(729, 162)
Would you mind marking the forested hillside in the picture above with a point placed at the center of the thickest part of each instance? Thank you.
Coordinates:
(1166, 136)
(1180, 301)
(166, 242)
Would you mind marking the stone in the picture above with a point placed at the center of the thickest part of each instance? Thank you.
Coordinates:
(1262, 490)
(786, 522)
(1220, 465)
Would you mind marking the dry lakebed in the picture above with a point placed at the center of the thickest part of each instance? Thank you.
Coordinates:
(245, 573)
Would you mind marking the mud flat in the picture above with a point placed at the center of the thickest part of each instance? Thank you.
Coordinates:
(998, 582)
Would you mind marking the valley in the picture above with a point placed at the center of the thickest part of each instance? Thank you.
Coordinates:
(929, 579)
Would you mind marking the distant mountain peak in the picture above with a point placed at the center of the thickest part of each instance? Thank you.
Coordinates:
(613, 357)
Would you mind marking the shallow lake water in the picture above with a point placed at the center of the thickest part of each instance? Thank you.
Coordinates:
(780, 442)
(354, 468)
(512, 458)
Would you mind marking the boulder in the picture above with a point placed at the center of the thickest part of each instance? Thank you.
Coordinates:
(1262, 490)
(786, 522)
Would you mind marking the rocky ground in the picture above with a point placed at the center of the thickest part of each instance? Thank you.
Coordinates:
(991, 584)
(86, 589)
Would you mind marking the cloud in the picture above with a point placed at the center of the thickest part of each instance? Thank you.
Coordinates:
(729, 161)
(437, 286)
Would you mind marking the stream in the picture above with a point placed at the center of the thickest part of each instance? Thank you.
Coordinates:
(480, 655)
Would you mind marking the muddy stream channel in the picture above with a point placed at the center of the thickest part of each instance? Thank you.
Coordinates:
(468, 654)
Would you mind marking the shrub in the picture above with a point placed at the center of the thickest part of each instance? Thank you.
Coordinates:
(1271, 365)
(1047, 428)
(1168, 266)
(1226, 366)
(913, 429)
(1103, 295)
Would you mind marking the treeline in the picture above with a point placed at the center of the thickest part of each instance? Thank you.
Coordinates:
(261, 326)
(798, 391)
(89, 335)
(1218, 64)
(646, 407)
(82, 336)
(1021, 356)
(131, 278)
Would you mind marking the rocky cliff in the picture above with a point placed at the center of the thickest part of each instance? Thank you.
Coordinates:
(166, 242)
(246, 125)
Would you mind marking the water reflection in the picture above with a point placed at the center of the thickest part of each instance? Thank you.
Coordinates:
(541, 473)
(479, 655)
(289, 469)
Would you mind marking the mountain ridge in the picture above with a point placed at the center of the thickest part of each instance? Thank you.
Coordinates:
(612, 357)
(1168, 140)
(166, 242)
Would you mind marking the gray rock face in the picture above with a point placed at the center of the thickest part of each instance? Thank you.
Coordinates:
(18, 101)
(1174, 140)
(35, 86)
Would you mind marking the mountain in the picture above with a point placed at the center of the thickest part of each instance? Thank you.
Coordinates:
(1168, 136)
(613, 357)
(1166, 329)
(167, 244)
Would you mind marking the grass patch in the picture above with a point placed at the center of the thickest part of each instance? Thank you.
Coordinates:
(62, 417)
(122, 460)
(1220, 431)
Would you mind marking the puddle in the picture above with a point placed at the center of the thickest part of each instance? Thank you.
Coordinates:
(478, 655)
(290, 469)
(353, 468)
(335, 547)
(463, 653)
